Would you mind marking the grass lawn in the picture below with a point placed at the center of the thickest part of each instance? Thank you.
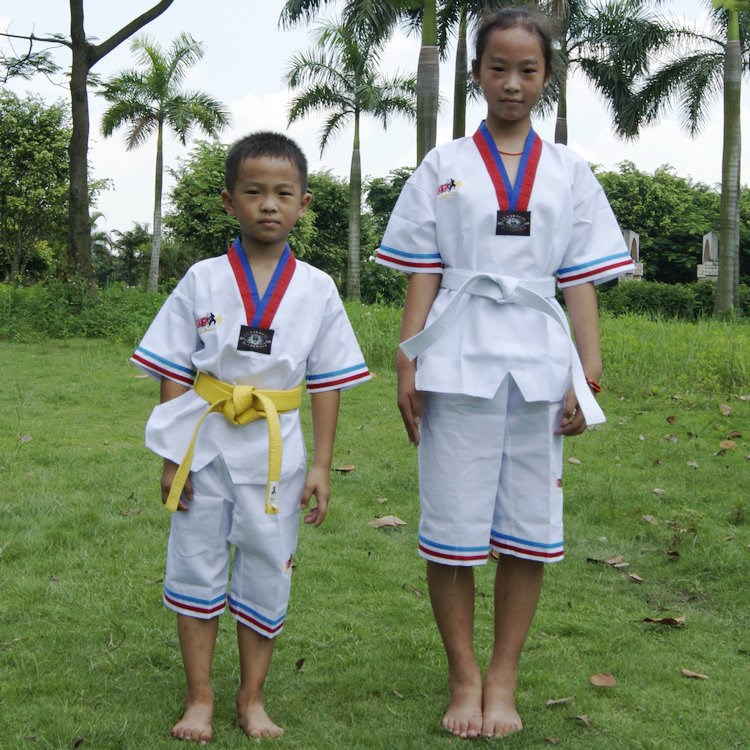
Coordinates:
(657, 526)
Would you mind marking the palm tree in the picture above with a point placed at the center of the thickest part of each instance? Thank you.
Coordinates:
(611, 44)
(340, 76)
(381, 17)
(146, 100)
(709, 61)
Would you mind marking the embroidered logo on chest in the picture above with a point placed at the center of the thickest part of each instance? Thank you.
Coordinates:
(208, 323)
(449, 188)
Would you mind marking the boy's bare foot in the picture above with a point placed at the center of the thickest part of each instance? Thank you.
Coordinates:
(501, 718)
(252, 717)
(195, 724)
(463, 717)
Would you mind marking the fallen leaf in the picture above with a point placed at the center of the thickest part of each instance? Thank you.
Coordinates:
(618, 562)
(572, 460)
(671, 438)
(734, 435)
(299, 664)
(656, 462)
(400, 696)
(744, 398)
(641, 437)
(635, 578)
(672, 553)
(379, 523)
(552, 740)
(693, 675)
(671, 419)
(673, 622)
(603, 680)
(382, 500)
(650, 519)
(412, 589)
(140, 377)
(658, 491)
(24, 438)
(728, 445)
(677, 397)
(78, 741)
(559, 701)
(345, 468)
(693, 464)
(725, 409)
(584, 720)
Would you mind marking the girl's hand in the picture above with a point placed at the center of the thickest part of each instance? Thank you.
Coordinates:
(573, 421)
(167, 479)
(409, 400)
(318, 483)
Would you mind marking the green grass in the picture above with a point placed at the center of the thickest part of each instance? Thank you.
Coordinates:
(87, 652)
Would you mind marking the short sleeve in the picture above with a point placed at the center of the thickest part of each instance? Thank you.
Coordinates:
(335, 361)
(597, 251)
(167, 348)
(410, 240)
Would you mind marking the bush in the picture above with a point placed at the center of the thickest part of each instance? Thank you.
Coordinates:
(657, 300)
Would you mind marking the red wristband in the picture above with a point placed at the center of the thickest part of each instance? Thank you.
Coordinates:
(595, 387)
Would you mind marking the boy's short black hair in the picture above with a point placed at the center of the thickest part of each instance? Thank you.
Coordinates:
(265, 143)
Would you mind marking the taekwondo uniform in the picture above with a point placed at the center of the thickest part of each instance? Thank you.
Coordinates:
(497, 331)
(215, 323)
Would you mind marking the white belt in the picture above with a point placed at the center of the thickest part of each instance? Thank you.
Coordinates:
(504, 290)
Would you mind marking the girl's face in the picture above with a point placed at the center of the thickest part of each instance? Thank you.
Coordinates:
(512, 75)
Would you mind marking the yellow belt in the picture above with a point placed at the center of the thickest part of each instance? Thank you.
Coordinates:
(241, 404)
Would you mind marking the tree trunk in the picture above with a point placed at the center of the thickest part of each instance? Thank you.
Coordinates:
(84, 57)
(153, 272)
(355, 207)
(727, 288)
(561, 123)
(428, 76)
(459, 80)
(79, 221)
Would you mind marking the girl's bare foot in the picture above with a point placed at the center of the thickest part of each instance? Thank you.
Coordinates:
(252, 717)
(196, 722)
(501, 718)
(463, 717)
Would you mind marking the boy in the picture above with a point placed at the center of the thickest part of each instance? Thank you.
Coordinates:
(238, 335)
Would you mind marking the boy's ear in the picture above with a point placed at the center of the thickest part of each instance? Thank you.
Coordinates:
(475, 71)
(226, 199)
(304, 203)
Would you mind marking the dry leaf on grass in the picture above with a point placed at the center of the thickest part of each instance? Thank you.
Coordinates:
(650, 519)
(658, 491)
(694, 675)
(635, 578)
(671, 419)
(412, 589)
(559, 701)
(725, 409)
(734, 435)
(384, 521)
(603, 680)
(672, 622)
(299, 664)
(728, 445)
(345, 468)
(693, 464)
(585, 720)
(672, 553)
(671, 438)
(552, 740)
(573, 460)
(24, 438)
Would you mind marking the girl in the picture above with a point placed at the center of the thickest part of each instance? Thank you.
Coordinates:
(484, 226)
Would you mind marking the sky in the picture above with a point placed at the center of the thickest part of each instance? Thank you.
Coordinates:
(246, 57)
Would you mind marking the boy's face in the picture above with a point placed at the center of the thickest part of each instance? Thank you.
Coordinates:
(267, 200)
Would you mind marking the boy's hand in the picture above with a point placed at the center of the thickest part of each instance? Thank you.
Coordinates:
(167, 479)
(573, 422)
(408, 399)
(318, 483)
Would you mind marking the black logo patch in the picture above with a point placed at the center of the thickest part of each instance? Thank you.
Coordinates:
(513, 223)
(254, 339)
